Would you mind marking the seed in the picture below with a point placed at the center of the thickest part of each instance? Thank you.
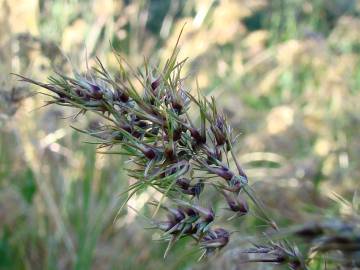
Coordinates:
(183, 183)
(149, 153)
(96, 92)
(223, 172)
(177, 134)
(136, 133)
(209, 216)
(126, 127)
(177, 107)
(214, 156)
(62, 97)
(197, 189)
(142, 124)
(217, 238)
(190, 211)
(169, 153)
(176, 214)
(197, 136)
(120, 95)
(155, 84)
(237, 204)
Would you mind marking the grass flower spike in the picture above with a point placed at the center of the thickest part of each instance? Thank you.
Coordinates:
(171, 152)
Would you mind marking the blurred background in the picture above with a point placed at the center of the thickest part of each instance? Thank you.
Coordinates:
(286, 73)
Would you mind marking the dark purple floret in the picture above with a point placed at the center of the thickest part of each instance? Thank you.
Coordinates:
(120, 95)
(177, 106)
(223, 172)
(217, 238)
(126, 127)
(197, 136)
(191, 212)
(170, 153)
(149, 153)
(176, 214)
(155, 84)
(197, 189)
(236, 203)
(183, 183)
(137, 133)
(96, 92)
(177, 134)
(142, 124)
(209, 216)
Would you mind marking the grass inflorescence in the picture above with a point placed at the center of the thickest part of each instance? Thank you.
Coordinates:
(172, 152)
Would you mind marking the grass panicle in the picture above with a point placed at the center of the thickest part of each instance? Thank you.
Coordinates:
(180, 157)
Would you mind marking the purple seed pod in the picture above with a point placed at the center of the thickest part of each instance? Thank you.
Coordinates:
(142, 124)
(191, 230)
(222, 171)
(218, 130)
(169, 153)
(186, 188)
(177, 134)
(155, 84)
(95, 91)
(149, 153)
(62, 97)
(183, 183)
(199, 139)
(191, 212)
(197, 189)
(218, 238)
(243, 205)
(219, 137)
(176, 214)
(177, 106)
(225, 173)
(237, 203)
(137, 134)
(214, 155)
(208, 215)
(120, 95)
(126, 127)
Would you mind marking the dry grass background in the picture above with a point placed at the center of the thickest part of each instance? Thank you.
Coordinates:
(287, 73)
